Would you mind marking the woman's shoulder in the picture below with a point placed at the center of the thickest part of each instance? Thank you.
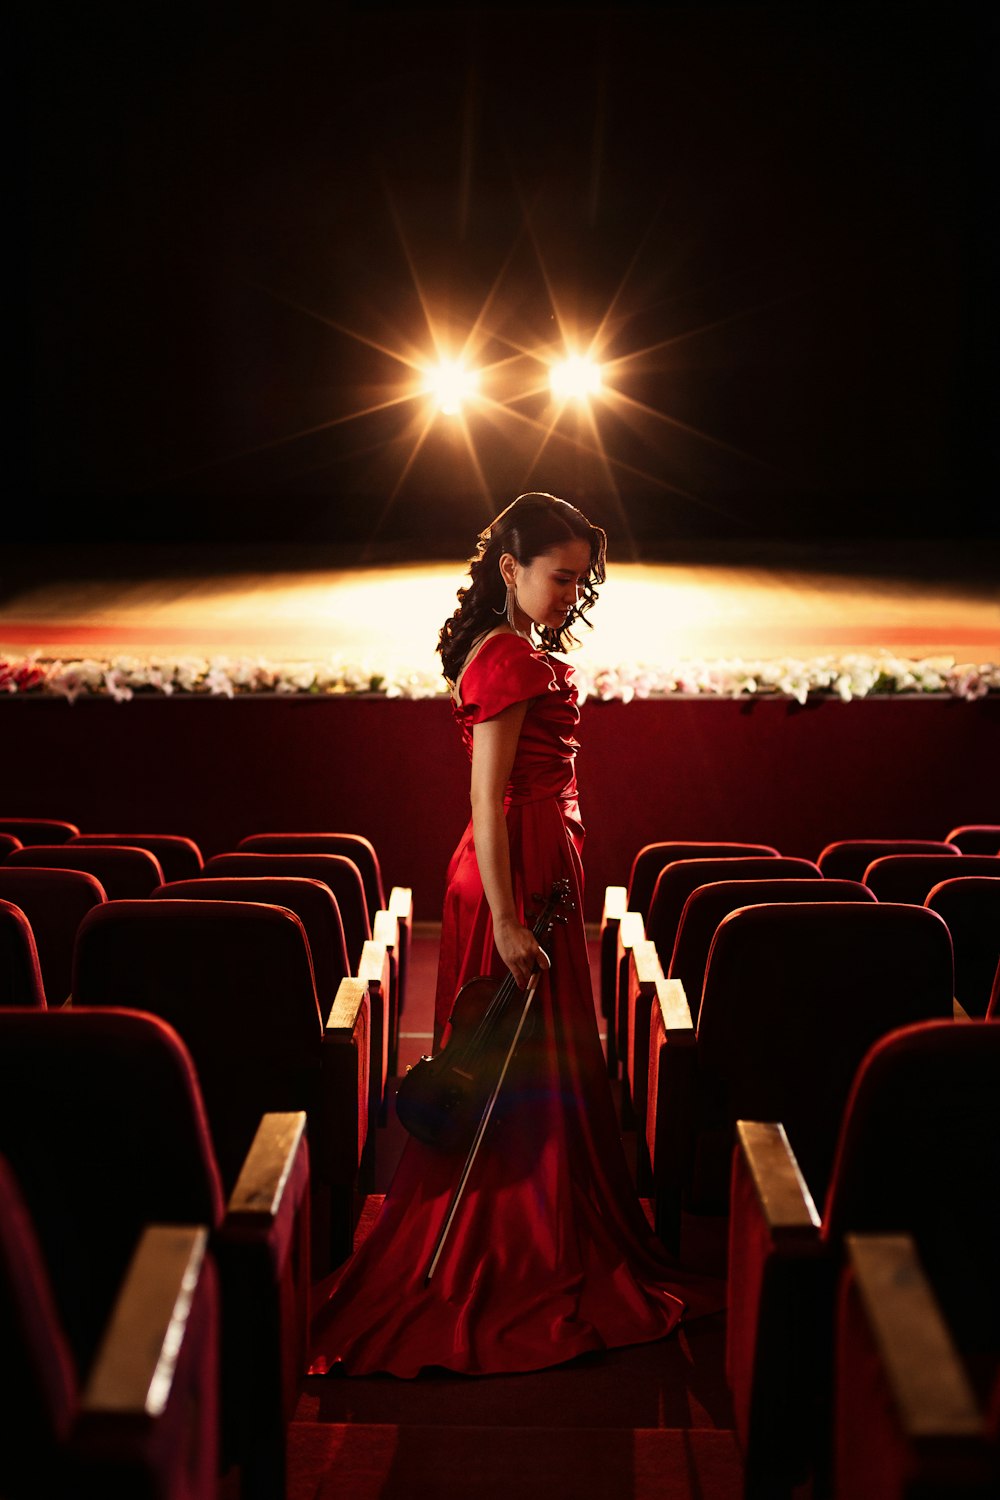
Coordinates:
(501, 668)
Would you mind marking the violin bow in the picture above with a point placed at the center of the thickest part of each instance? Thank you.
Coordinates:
(456, 1196)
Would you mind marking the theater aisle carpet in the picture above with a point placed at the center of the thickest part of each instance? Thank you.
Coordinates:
(650, 1421)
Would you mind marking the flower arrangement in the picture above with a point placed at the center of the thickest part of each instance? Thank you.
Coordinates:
(843, 677)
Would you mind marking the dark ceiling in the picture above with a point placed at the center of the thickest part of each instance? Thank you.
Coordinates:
(247, 226)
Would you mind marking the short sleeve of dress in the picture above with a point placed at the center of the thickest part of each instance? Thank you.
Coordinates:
(506, 670)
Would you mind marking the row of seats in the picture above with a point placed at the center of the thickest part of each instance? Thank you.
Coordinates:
(251, 1001)
(770, 1019)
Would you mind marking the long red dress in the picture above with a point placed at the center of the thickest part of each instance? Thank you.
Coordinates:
(550, 1255)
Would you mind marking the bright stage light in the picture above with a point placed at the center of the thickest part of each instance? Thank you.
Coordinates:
(575, 378)
(451, 384)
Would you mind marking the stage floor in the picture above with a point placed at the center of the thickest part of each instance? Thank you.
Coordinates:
(749, 601)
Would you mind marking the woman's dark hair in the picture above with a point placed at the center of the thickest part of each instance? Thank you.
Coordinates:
(532, 525)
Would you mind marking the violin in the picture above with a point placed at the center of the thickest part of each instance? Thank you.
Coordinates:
(443, 1100)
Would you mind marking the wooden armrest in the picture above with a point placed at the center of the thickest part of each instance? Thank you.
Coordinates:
(675, 1012)
(386, 930)
(959, 1011)
(134, 1370)
(374, 965)
(401, 903)
(645, 963)
(631, 930)
(615, 904)
(924, 1371)
(267, 1168)
(347, 1006)
(785, 1201)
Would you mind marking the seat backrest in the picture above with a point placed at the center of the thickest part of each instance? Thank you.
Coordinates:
(335, 870)
(651, 859)
(919, 1153)
(848, 859)
(55, 902)
(976, 838)
(970, 905)
(20, 973)
(678, 879)
(706, 906)
(795, 995)
(354, 845)
(909, 877)
(180, 857)
(310, 900)
(235, 980)
(39, 830)
(37, 1375)
(8, 843)
(125, 874)
(102, 1123)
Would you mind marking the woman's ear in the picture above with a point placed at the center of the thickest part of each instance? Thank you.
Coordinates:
(508, 569)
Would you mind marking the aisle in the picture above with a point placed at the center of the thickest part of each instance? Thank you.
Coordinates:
(654, 1420)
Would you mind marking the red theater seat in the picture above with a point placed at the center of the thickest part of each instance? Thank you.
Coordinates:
(39, 830)
(352, 845)
(125, 874)
(310, 900)
(366, 956)
(55, 902)
(102, 1439)
(102, 1122)
(180, 857)
(919, 1153)
(704, 909)
(971, 838)
(794, 996)
(8, 843)
(970, 905)
(20, 973)
(848, 859)
(635, 897)
(235, 980)
(910, 877)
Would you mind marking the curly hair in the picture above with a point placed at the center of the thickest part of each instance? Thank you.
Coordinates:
(530, 526)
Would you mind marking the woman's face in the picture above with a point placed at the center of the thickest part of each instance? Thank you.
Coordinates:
(548, 587)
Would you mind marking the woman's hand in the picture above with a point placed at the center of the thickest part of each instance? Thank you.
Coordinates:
(519, 949)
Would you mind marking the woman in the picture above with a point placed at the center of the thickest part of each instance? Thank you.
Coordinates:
(550, 1255)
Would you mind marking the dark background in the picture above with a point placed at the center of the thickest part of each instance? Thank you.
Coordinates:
(237, 215)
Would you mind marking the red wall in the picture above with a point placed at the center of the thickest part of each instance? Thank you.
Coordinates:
(761, 770)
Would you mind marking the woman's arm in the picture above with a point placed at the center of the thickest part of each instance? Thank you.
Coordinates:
(494, 743)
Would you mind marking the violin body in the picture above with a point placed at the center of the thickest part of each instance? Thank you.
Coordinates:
(445, 1100)
(440, 1099)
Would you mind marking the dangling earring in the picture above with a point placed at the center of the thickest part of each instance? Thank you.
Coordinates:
(511, 604)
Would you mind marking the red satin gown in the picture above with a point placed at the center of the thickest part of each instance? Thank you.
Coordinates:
(550, 1255)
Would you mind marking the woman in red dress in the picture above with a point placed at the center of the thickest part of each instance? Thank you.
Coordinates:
(550, 1254)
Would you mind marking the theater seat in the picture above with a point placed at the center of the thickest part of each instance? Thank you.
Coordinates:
(103, 1123)
(125, 874)
(971, 838)
(8, 843)
(908, 1420)
(703, 910)
(794, 996)
(20, 973)
(235, 980)
(353, 845)
(635, 897)
(919, 1153)
(39, 830)
(910, 877)
(55, 902)
(102, 1438)
(368, 957)
(848, 859)
(180, 857)
(970, 905)
(310, 900)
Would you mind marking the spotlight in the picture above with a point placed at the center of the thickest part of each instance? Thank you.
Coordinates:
(575, 378)
(450, 384)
